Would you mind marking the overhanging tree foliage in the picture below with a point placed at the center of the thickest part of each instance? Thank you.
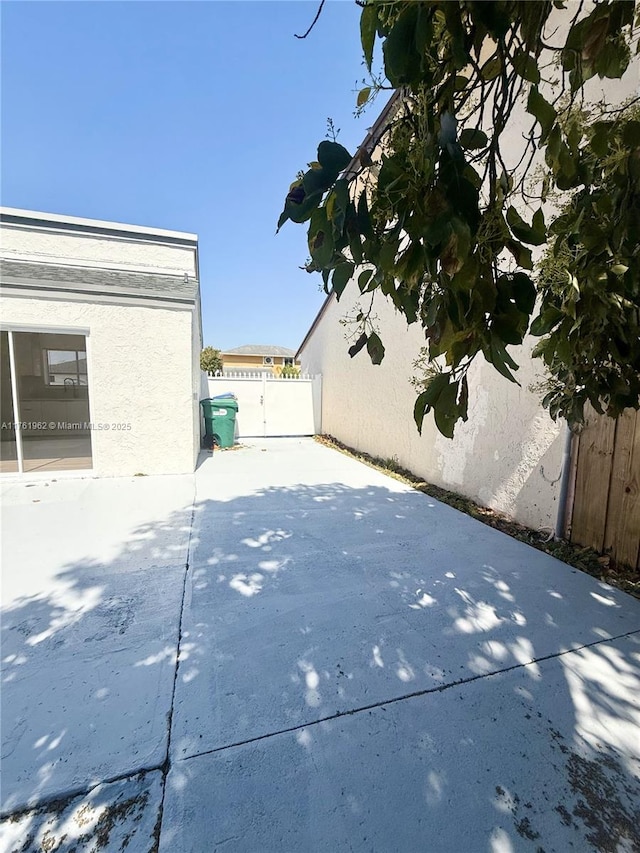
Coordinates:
(444, 223)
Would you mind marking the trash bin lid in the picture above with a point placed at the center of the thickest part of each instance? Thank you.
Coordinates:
(220, 403)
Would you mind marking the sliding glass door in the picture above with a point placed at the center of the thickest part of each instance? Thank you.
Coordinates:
(46, 392)
(8, 437)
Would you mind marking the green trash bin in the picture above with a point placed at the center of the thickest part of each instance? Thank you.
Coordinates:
(219, 421)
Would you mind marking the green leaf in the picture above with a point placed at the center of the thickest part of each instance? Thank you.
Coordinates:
(317, 181)
(545, 321)
(619, 269)
(299, 206)
(445, 410)
(631, 134)
(420, 409)
(363, 96)
(473, 138)
(541, 110)
(612, 61)
(494, 16)
(500, 358)
(456, 35)
(341, 277)
(375, 348)
(424, 31)
(407, 300)
(387, 284)
(282, 219)
(510, 325)
(364, 219)
(439, 230)
(463, 400)
(600, 139)
(524, 292)
(491, 68)
(401, 58)
(388, 252)
(542, 348)
(521, 254)
(320, 238)
(355, 244)
(428, 397)
(538, 224)
(411, 265)
(363, 280)
(526, 66)
(531, 234)
(354, 349)
(333, 157)
(368, 25)
(336, 206)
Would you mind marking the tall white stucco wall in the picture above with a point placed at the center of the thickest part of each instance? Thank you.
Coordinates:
(28, 243)
(507, 456)
(140, 363)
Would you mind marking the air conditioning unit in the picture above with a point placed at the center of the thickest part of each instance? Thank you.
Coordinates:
(267, 359)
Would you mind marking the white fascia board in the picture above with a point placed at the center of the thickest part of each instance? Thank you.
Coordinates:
(58, 221)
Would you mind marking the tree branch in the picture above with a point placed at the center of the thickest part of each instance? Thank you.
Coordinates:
(313, 23)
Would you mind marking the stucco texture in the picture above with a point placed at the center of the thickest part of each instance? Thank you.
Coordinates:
(141, 372)
(507, 456)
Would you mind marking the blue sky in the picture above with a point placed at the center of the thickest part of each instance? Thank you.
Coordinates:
(186, 115)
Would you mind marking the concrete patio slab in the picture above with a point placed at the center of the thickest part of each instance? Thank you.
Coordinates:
(361, 595)
(90, 626)
(534, 759)
(305, 654)
(114, 817)
(262, 464)
(87, 691)
(62, 524)
(268, 647)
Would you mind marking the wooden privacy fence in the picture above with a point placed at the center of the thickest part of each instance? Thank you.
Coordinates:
(606, 506)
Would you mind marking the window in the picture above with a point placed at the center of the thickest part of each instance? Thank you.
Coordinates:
(288, 362)
(65, 367)
(267, 359)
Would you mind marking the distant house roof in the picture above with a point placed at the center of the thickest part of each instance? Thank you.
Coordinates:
(260, 349)
(70, 366)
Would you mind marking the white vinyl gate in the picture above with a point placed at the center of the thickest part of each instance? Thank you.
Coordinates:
(269, 405)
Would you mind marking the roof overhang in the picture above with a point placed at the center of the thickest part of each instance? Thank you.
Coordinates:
(59, 222)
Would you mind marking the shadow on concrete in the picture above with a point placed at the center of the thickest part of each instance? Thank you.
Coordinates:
(310, 613)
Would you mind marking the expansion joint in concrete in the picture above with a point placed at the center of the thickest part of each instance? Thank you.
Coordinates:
(413, 695)
(166, 765)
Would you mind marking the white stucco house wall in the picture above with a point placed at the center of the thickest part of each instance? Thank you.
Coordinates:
(507, 456)
(119, 305)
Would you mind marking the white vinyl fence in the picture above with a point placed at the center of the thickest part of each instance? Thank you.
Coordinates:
(268, 405)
